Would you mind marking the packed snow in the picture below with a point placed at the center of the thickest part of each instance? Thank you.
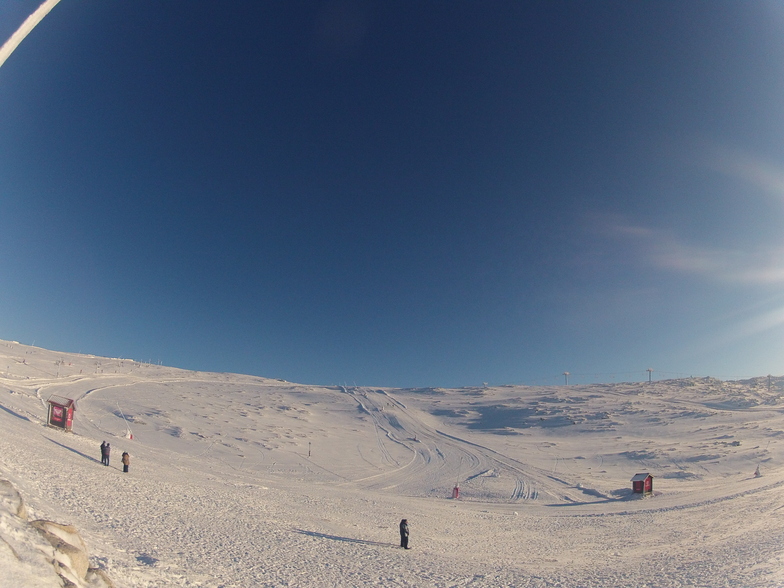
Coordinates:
(241, 481)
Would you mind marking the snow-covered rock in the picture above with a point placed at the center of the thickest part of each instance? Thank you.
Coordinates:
(41, 553)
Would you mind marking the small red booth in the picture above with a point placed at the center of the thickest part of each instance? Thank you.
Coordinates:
(642, 483)
(61, 411)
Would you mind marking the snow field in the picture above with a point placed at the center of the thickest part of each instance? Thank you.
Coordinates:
(243, 481)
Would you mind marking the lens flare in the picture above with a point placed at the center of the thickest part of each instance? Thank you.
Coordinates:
(27, 26)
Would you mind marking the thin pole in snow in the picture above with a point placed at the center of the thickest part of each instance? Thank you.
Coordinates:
(127, 426)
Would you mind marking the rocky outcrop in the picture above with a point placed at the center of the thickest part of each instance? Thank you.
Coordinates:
(11, 500)
(70, 552)
(42, 553)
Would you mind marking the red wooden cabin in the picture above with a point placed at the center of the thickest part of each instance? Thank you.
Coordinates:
(61, 411)
(642, 483)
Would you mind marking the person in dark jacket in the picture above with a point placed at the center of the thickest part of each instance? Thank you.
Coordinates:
(103, 452)
(404, 534)
(126, 461)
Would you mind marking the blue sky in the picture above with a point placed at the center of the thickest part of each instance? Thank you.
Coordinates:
(398, 194)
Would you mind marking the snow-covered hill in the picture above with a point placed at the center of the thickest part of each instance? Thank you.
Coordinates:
(245, 481)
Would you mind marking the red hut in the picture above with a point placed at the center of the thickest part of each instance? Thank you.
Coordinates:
(61, 411)
(642, 483)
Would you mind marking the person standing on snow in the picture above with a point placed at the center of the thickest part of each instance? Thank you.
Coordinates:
(126, 461)
(107, 451)
(103, 452)
(404, 534)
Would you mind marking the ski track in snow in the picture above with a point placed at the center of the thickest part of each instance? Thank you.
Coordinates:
(238, 481)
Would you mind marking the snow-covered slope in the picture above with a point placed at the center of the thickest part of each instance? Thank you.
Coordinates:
(245, 481)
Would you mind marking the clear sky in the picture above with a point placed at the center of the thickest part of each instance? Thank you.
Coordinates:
(398, 193)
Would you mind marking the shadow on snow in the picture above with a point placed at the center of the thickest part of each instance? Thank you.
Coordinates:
(77, 452)
(347, 539)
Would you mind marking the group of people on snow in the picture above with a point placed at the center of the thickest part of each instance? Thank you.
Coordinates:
(106, 450)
